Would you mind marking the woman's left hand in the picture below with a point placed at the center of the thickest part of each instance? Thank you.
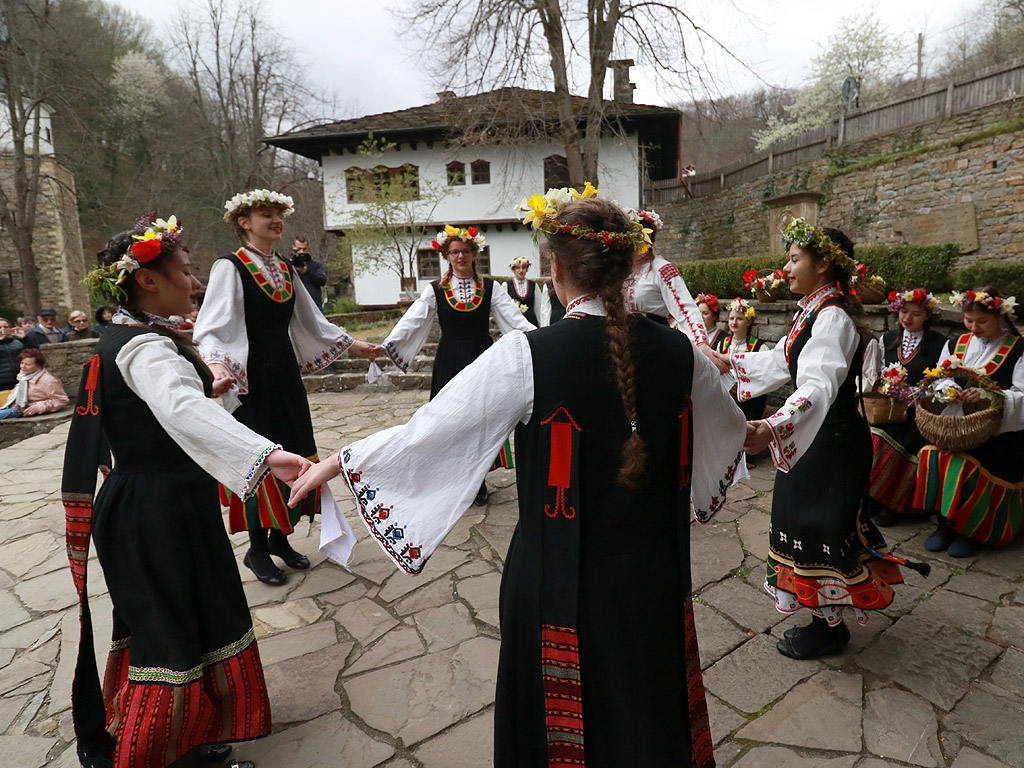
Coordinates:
(720, 361)
(316, 476)
(971, 395)
(287, 467)
(759, 434)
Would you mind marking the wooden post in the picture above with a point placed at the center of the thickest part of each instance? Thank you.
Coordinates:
(949, 100)
(721, 180)
(842, 130)
(771, 160)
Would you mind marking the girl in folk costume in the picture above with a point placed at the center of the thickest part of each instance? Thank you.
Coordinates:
(912, 348)
(259, 335)
(979, 494)
(524, 292)
(463, 303)
(600, 440)
(184, 669)
(709, 308)
(820, 556)
(739, 340)
(655, 288)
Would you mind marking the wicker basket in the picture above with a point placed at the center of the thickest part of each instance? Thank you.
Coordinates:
(870, 292)
(879, 409)
(764, 296)
(955, 434)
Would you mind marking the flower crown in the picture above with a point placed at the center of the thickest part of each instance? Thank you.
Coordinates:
(542, 215)
(740, 305)
(651, 219)
(254, 198)
(899, 299)
(519, 261)
(467, 235)
(1005, 306)
(805, 235)
(104, 282)
(708, 298)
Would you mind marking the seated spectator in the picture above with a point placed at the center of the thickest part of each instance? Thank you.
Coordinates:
(78, 327)
(10, 347)
(45, 331)
(103, 316)
(37, 392)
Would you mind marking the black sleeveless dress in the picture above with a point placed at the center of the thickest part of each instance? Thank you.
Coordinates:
(530, 299)
(598, 659)
(557, 309)
(895, 446)
(465, 330)
(979, 492)
(275, 405)
(184, 668)
(820, 552)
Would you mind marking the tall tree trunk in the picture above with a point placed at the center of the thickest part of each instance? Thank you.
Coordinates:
(603, 19)
(551, 21)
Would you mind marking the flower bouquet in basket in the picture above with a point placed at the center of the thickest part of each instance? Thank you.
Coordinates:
(894, 396)
(870, 289)
(767, 288)
(957, 429)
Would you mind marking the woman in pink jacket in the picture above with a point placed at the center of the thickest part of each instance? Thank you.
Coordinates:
(38, 391)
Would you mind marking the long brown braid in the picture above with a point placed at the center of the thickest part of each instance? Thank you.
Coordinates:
(601, 273)
(447, 279)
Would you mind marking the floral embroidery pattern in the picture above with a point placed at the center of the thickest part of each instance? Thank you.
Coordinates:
(785, 431)
(327, 356)
(392, 537)
(717, 502)
(242, 381)
(391, 350)
(802, 403)
(811, 304)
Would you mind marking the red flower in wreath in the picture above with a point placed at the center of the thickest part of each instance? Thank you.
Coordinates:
(892, 295)
(472, 231)
(435, 245)
(862, 270)
(920, 296)
(145, 251)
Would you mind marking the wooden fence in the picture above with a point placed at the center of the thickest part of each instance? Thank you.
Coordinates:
(943, 103)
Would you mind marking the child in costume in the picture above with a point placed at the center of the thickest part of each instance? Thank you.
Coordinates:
(524, 292)
(710, 309)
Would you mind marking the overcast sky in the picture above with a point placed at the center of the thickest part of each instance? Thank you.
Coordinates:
(358, 51)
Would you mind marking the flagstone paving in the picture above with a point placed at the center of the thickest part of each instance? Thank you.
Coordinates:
(375, 668)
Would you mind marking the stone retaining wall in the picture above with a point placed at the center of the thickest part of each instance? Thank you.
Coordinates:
(897, 179)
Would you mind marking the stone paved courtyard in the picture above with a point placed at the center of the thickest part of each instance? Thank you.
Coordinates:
(375, 668)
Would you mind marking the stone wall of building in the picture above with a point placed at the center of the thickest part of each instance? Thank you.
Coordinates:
(871, 189)
(57, 244)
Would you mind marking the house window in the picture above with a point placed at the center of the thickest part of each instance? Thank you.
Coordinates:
(456, 174)
(381, 183)
(483, 261)
(428, 263)
(481, 172)
(556, 172)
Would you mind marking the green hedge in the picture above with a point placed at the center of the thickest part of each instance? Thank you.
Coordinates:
(724, 277)
(1008, 277)
(901, 266)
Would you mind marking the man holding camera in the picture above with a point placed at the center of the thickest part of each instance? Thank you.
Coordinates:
(310, 271)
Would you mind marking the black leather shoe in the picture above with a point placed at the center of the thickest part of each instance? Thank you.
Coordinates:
(275, 579)
(241, 764)
(292, 559)
(214, 753)
(833, 643)
(794, 631)
(481, 495)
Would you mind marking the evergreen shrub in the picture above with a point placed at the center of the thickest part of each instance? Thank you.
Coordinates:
(1007, 276)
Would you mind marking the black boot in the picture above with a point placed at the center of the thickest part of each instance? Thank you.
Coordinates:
(257, 559)
(278, 545)
(941, 539)
(814, 640)
(481, 495)
(214, 753)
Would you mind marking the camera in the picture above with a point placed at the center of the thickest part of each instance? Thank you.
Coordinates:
(299, 258)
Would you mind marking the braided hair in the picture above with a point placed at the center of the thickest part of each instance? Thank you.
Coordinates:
(601, 272)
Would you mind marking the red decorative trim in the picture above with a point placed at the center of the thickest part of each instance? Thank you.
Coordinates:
(684, 443)
(280, 295)
(668, 273)
(464, 306)
(563, 699)
(996, 362)
(700, 725)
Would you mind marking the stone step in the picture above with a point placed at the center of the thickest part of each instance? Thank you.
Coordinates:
(337, 382)
(358, 364)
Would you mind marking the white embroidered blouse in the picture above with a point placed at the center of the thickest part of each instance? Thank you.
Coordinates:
(465, 425)
(656, 287)
(410, 333)
(825, 361)
(154, 370)
(220, 328)
(979, 353)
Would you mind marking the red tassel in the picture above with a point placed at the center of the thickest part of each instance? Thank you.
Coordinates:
(90, 408)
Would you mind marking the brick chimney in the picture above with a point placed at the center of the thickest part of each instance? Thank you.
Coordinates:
(445, 95)
(622, 89)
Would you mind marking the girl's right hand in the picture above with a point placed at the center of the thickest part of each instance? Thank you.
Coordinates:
(223, 379)
(314, 477)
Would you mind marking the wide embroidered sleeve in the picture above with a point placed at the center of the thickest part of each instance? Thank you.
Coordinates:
(680, 304)
(1013, 404)
(220, 328)
(317, 341)
(155, 371)
(825, 361)
(719, 429)
(413, 482)
(760, 372)
(507, 313)
(410, 333)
